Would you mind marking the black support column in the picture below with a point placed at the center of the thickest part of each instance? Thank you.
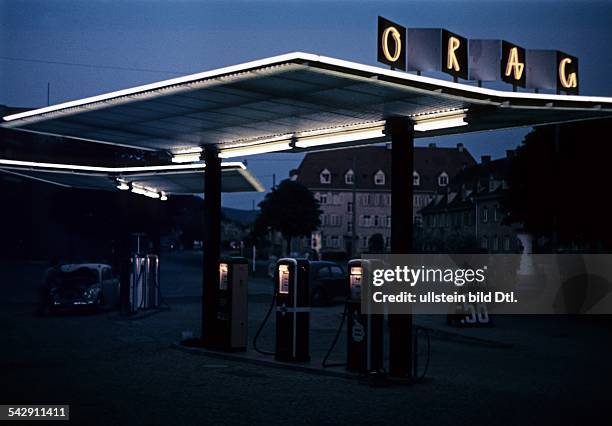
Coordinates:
(402, 166)
(123, 254)
(212, 241)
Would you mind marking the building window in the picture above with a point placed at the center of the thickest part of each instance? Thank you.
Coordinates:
(507, 243)
(496, 214)
(366, 221)
(323, 198)
(324, 220)
(484, 214)
(349, 177)
(349, 206)
(418, 220)
(366, 200)
(376, 224)
(416, 179)
(349, 226)
(325, 177)
(443, 179)
(388, 222)
(379, 178)
(335, 242)
(484, 243)
(364, 243)
(335, 220)
(388, 242)
(495, 243)
(336, 199)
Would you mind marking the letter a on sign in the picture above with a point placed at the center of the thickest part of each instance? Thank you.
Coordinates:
(513, 64)
(454, 55)
(391, 44)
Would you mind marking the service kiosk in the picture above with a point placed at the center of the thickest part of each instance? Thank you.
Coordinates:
(364, 352)
(292, 283)
(230, 328)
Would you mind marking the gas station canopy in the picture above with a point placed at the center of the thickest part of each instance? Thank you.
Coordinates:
(295, 101)
(172, 179)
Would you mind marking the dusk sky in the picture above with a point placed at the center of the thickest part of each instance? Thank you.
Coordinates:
(84, 48)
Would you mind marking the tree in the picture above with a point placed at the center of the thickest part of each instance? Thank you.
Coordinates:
(558, 185)
(291, 209)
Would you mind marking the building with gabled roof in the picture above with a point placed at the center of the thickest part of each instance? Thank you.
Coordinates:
(470, 215)
(367, 171)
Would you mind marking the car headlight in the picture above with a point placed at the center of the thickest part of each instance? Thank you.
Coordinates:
(91, 294)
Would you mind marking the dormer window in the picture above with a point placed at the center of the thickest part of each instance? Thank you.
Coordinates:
(443, 179)
(379, 178)
(416, 179)
(349, 177)
(325, 177)
(492, 184)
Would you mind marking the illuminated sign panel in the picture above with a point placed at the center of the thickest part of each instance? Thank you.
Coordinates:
(439, 50)
(552, 70)
(391, 44)
(454, 55)
(567, 73)
(513, 69)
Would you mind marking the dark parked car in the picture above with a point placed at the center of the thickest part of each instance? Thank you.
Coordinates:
(328, 282)
(83, 285)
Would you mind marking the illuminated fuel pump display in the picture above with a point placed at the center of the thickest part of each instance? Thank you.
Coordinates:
(283, 279)
(364, 352)
(292, 310)
(223, 276)
(355, 277)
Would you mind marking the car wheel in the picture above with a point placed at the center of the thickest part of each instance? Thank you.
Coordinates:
(99, 303)
(318, 297)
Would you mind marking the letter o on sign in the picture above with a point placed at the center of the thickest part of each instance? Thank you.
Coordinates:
(391, 44)
(397, 41)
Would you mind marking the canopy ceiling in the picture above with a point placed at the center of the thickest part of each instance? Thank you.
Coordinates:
(288, 95)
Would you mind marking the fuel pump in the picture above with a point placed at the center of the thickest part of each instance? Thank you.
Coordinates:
(229, 331)
(364, 352)
(292, 291)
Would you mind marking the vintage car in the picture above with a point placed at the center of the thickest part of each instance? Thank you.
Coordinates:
(83, 285)
(328, 282)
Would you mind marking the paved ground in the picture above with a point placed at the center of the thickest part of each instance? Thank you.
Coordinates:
(112, 371)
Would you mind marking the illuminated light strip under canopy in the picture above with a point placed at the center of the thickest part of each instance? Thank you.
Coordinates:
(116, 170)
(292, 94)
(308, 140)
(445, 120)
(255, 149)
(328, 139)
(170, 179)
(189, 155)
